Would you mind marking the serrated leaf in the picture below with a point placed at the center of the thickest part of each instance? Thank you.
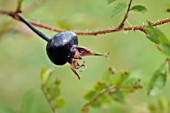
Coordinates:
(111, 1)
(158, 80)
(139, 8)
(118, 8)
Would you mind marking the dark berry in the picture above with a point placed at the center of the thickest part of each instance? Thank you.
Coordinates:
(63, 48)
(59, 46)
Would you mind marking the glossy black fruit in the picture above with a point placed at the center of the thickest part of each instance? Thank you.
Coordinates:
(60, 47)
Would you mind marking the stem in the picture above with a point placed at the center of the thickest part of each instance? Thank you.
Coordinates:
(42, 35)
(87, 106)
(126, 15)
(48, 98)
(96, 32)
(104, 31)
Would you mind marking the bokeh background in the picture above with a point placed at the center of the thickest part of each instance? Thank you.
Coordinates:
(22, 54)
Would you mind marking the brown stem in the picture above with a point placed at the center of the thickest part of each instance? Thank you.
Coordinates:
(105, 31)
(126, 15)
(96, 32)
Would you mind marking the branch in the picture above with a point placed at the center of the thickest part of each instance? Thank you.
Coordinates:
(126, 15)
(95, 32)
(87, 106)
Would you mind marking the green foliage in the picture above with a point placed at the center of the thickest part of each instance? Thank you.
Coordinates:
(118, 8)
(159, 38)
(112, 87)
(158, 79)
(155, 35)
(139, 8)
(51, 89)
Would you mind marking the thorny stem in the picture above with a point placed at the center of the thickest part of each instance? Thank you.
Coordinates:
(105, 31)
(96, 32)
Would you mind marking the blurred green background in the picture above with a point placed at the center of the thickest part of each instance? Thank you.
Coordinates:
(22, 53)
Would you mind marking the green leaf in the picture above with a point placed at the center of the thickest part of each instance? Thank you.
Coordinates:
(139, 8)
(113, 77)
(90, 94)
(108, 74)
(155, 35)
(98, 86)
(118, 96)
(119, 78)
(45, 74)
(102, 99)
(118, 8)
(158, 80)
(59, 102)
(111, 1)
(158, 37)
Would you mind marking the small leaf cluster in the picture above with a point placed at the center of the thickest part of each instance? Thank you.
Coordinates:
(119, 7)
(51, 89)
(113, 86)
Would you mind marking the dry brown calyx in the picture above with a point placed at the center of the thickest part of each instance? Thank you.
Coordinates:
(80, 52)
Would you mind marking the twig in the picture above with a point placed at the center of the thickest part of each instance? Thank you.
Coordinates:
(95, 32)
(126, 15)
(48, 98)
(87, 106)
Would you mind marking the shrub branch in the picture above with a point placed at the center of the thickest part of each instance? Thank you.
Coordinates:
(121, 27)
